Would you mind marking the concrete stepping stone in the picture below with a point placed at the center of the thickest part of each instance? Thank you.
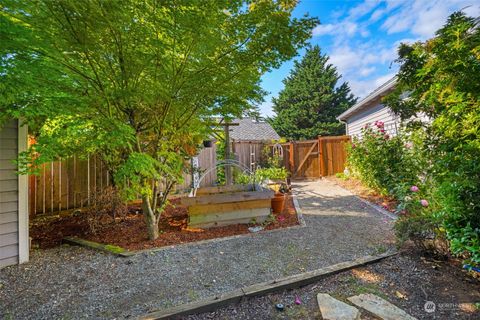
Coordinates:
(380, 307)
(333, 309)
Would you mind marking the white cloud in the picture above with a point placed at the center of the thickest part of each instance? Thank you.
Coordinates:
(358, 64)
(366, 71)
(376, 15)
(364, 58)
(362, 9)
(342, 29)
(422, 18)
(381, 80)
(364, 87)
(361, 62)
(323, 29)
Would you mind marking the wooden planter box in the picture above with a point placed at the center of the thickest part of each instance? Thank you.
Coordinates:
(221, 206)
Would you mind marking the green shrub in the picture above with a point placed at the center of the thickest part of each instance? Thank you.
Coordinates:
(442, 78)
(263, 174)
(382, 162)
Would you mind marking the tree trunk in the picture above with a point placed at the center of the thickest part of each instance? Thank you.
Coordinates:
(150, 219)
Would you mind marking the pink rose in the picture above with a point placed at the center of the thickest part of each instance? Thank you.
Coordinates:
(379, 124)
(414, 189)
(424, 203)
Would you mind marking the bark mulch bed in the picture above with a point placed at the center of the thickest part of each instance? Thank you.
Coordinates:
(130, 232)
(407, 280)
(355, 186)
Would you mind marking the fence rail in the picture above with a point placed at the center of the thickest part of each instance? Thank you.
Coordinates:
(303, 159)
(68, 184)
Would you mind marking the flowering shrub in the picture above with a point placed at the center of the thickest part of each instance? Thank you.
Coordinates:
(442, 78)
(382, 162)
(416, 220)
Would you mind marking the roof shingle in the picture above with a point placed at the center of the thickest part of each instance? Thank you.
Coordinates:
(253, 130)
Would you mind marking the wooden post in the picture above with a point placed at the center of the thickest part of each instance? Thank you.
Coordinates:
(322, 156)
(228, 168)
(291, 160)
(330, 158)
(320, 160)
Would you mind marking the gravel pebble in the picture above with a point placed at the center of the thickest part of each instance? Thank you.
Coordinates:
(408, 273)
(77, 283)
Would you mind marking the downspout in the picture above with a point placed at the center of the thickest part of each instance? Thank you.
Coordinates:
(346, 125)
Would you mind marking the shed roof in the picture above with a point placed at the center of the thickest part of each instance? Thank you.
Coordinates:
(253, 130)
(383, 89)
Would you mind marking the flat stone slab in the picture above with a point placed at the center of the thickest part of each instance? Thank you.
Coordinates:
(380, 307)
(333, 309)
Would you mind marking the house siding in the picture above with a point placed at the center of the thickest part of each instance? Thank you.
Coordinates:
(374, 112)
(9, 248)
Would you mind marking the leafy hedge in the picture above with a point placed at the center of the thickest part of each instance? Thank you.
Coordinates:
(437, 178)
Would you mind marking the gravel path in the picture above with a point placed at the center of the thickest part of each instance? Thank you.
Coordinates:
(407, 280)
(73, 283)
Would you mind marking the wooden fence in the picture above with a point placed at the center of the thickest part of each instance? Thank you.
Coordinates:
(303, 159)
(69, 183)
(317, 158)
(248, 153)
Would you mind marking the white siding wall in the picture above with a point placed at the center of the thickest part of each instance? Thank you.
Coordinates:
(8, 195)
(375, 112)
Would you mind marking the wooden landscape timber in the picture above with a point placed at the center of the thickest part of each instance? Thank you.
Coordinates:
(221, 206)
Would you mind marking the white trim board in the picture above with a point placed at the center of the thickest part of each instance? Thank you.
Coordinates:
(23, 237)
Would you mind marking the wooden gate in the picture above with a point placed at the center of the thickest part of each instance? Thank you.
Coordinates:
(317, 158)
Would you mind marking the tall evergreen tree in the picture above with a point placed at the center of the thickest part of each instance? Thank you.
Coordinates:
(311, 100)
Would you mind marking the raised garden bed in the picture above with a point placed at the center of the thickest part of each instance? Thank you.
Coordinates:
(130, 233)
(228, 205)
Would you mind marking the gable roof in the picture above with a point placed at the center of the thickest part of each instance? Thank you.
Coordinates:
(253, 130)
(380, 91)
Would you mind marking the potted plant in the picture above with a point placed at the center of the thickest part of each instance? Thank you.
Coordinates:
(276, 178)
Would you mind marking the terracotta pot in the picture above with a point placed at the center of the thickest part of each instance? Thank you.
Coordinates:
(278, 202)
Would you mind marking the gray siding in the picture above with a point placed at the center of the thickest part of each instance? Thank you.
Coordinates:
(8, 194)
(374, 112)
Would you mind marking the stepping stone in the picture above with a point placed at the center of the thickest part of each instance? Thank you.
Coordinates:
(333, 309)
(380, 307)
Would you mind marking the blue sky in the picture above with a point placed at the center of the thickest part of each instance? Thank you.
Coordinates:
(361, 37)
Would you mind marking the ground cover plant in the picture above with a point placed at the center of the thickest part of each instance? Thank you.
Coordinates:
(137, 82)
(438, 185)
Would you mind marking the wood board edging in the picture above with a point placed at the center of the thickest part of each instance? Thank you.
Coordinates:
(295, 281)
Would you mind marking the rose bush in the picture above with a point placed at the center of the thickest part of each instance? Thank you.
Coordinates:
(442, 79)
(382, 162)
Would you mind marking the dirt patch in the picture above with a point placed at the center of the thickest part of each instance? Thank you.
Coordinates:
(407, 280)
(131, 232)
(355, 186)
